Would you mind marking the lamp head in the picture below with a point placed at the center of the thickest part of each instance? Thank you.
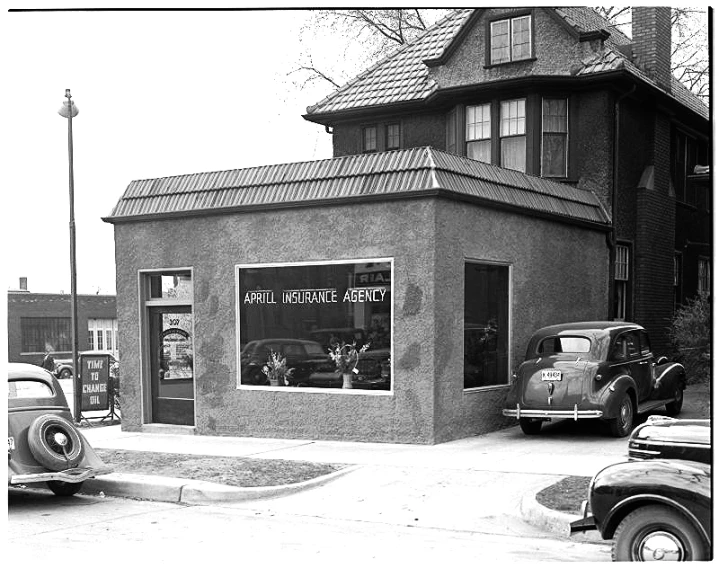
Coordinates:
(69, 109)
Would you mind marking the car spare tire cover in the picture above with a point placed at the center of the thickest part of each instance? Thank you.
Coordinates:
(45, 438)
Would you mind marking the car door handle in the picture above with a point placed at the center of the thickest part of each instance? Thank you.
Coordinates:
(643, 362)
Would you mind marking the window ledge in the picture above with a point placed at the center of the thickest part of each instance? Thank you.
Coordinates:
(505, 63)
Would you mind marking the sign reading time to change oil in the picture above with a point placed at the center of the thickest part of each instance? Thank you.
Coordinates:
(95, 379)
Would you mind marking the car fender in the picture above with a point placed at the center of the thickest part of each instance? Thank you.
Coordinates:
(615, 516)
(614, 392)
(667, 377)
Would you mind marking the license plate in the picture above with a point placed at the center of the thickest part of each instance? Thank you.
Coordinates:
(551, 375)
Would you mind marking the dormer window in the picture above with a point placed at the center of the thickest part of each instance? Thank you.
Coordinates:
(369, 139)
(510, 39)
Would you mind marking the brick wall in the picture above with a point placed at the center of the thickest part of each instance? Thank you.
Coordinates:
(652, 38)
(29, 305)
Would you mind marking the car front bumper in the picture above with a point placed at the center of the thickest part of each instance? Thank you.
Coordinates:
(586, 523)
(574, 413)
(74, 475)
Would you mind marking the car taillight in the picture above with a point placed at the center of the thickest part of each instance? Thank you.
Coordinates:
(10, 444)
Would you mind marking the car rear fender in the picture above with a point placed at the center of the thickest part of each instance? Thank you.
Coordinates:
(609, 524)
(667, 377)
(614, 393)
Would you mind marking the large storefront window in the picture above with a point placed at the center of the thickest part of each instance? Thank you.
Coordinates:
(486, 325)
(302, 311)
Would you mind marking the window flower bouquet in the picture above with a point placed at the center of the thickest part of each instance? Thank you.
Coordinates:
(345, 357)
(276, 369)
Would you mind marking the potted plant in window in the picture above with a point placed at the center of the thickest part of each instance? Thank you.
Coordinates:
(276, 370)
(345, 357)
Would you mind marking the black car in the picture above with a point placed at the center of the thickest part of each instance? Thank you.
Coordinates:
(44, 445)
(653, 509)
(663, 437)
(588, 370)
(303, 356)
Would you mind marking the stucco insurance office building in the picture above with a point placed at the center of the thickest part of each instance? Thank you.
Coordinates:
(443, 264)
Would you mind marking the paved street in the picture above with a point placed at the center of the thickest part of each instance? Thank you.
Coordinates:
(303, 530)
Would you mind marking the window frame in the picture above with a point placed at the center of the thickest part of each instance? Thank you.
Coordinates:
(622, 281)
(49, 330)
(365, 130)
(553, 133)
(704, 271)
(336, 391)
(512, 136)
(387, 127)
(510, 290)
(510, 20)
(488, 138)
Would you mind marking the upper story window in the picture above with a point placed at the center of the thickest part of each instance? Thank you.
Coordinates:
(369, 139)
(479, 133)
(392, 136)
(686, 153)
(554, 137)
(512, 135)
(510, 39)
(704, 275)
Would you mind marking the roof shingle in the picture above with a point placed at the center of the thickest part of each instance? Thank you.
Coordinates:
(404, 77)
(410, 172)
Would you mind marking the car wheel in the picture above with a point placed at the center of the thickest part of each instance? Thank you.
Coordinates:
(65, 374)
(657, 533)
(622, 424)
(530, 426)
(675, 407)
(64, 489)
(54, 442)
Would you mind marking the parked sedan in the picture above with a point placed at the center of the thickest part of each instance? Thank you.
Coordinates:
(601, 370)
(654, 510)
(663, 437)
(302, 355)
(44, 446)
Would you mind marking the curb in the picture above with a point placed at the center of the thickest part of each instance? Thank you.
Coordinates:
(556, 522)
(177, 490)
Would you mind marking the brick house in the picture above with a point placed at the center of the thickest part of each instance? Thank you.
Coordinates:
(469, 202)
(40, 322)
(558, 93)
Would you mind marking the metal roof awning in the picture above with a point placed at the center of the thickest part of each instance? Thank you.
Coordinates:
(398, 174)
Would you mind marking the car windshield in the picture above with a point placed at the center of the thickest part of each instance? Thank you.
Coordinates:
(27, 388)
(564, 344)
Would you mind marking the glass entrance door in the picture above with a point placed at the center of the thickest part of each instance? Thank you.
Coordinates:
(171, 365)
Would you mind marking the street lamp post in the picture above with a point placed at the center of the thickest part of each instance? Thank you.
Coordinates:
(69, 111)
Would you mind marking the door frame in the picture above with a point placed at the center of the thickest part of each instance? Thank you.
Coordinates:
(144, 304)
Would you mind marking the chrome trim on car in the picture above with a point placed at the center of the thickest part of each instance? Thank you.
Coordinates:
(75, 475)
(531, 413)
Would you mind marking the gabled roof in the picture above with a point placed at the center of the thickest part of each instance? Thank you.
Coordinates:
(414, 172)
(403, 77)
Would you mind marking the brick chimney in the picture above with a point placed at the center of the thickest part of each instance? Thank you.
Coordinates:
(23, 283)
(652, 42)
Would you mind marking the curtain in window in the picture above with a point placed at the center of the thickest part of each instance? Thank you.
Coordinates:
(554, 137)
(479, 132)
(513, 144)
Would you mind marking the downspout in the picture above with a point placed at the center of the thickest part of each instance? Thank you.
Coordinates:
(615, 183)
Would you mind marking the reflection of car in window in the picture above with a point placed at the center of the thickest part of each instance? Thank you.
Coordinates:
(303, 356)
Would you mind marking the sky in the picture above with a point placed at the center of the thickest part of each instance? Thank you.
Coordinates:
(159, 94)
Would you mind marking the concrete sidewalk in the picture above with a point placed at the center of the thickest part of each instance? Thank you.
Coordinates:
(562, 449)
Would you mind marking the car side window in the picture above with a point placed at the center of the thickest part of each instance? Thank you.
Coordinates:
(28, 389)
(619, 351)
(645, 345)
(292, 350)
